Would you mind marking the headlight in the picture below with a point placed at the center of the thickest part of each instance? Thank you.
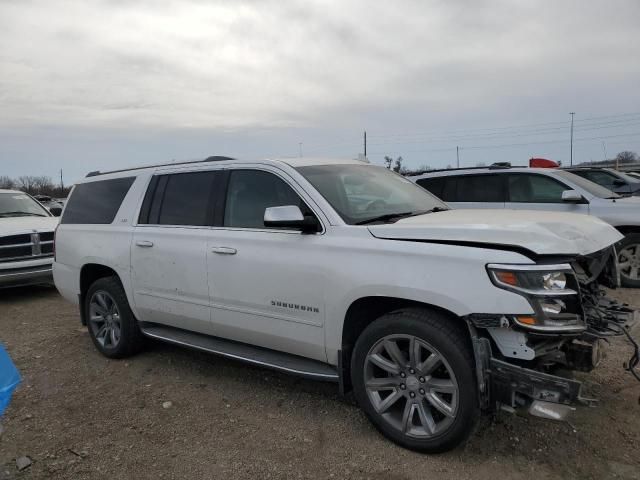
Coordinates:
(552, 291)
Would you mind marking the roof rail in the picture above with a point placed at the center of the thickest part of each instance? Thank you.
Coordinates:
(493, 166)
(214, 158)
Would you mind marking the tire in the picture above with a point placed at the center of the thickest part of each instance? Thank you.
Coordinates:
(435, 411)
(629, 260)
(107, 310)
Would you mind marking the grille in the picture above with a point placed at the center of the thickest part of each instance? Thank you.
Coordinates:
(26, 246)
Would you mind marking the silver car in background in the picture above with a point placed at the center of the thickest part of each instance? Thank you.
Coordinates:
(549, 189)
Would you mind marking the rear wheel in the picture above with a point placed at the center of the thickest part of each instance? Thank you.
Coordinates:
(414, 377)
(629, 260)
(112, 326)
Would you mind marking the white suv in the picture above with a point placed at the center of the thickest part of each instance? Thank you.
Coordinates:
(342, 271)
(549, 189)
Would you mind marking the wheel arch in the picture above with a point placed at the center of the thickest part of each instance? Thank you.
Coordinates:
(89, 273)
(363, 311)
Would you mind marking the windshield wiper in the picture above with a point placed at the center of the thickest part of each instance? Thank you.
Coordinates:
(15, 214)
(397, 216)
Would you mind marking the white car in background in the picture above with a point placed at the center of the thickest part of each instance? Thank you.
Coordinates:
(26, 240)
(549, 189)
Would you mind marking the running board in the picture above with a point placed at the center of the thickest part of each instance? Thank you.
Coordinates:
(263, 357)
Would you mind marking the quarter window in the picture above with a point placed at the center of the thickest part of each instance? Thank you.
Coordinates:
(96, 202)
(251, 192)
(531, 188)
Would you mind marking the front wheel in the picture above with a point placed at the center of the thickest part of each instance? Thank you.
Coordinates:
(414, 377)
(629, 260)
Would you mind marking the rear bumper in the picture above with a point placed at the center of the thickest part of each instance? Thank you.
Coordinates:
(15, 277)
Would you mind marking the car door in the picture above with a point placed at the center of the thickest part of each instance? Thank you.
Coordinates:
(266, 284)
(475, 191)
(169, 250)
(534, 191)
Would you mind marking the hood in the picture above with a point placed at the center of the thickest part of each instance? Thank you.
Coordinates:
(544, 233)
(16, 225)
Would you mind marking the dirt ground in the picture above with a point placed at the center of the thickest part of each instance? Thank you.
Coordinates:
(80, 415)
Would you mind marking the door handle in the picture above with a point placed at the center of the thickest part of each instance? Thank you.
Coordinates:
(224, 250)
(144, 243)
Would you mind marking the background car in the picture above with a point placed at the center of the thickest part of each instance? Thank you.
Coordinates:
(26, 240)
(551, 189)
(609, 178)
(51, 204)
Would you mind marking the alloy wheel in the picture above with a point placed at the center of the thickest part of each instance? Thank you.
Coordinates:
(629, 262)
(104, 319)
(411, 385)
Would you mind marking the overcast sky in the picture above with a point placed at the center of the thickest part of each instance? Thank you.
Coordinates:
(88, 85)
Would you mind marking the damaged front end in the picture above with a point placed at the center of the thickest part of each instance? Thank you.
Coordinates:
(523, 360)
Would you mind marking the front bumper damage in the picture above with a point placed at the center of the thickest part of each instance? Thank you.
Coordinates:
(536, 384)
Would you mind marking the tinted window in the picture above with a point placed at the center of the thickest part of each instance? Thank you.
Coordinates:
(434, 185)
(251, 192)
(601, 178)
(96, 202)
(181, 199)
(529, 188)
(479, 188)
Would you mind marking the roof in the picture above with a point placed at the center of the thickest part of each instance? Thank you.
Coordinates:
(293, 162)
(476, 170)
(309, 161)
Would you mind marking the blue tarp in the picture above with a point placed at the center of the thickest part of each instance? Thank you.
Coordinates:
(9, 379)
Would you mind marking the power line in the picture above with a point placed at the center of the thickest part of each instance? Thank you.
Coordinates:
(524, 144)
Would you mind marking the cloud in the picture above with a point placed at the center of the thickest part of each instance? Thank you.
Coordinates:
(243, 64)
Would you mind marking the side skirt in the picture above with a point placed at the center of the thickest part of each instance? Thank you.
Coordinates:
(259, 356)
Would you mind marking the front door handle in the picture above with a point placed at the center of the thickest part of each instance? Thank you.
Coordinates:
(224, 250)
(144, 243)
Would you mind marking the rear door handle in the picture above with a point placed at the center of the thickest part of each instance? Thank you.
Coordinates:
(224, 250)
(144, 243)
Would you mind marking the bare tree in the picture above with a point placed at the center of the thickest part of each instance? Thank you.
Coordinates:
(626, 156)
(388, 161)
(7, 182)
(398, 166)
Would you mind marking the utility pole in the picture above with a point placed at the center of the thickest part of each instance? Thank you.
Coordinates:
(365, 144)
(61, 183)
(604, 151)
(458, 156)
(572, 114)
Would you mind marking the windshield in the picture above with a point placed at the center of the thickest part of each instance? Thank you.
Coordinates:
(362, 193)
(16, 204)
(591, 187)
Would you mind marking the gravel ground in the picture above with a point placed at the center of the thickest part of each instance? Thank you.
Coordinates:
(80, 415)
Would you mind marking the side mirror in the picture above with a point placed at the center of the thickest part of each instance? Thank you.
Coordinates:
(290, 216)
(571, 196)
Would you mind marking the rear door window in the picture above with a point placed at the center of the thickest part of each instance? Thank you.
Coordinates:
(96, 202)
(480, 188)
(533, 188)
(180, 199)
